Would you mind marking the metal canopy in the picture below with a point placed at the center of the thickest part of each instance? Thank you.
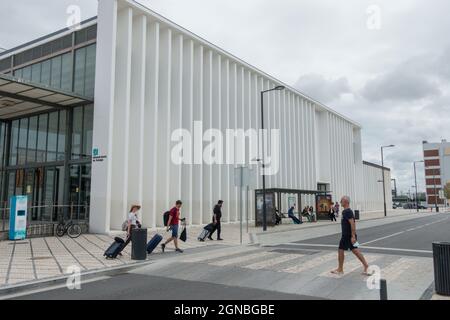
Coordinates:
(294, 191)
(19, 97)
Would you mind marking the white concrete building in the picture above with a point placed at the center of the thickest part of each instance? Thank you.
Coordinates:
(373, 187)
(151, 78)
(154, 77)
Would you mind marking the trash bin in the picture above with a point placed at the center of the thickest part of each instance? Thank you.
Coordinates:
(356, 214)
(139, 244)
(441, 259)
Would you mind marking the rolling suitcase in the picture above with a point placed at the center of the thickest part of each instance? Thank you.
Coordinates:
(210, 227)
(202, 236)
(115, 248)
(153, 243)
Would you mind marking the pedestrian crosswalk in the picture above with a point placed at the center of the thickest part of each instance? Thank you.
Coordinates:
(272, 263)
(235, 261)
(316, 264)
(398, 267)
(351, 266)
(310, 264)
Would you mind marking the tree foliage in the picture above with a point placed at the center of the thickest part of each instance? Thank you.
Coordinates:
(447, 191)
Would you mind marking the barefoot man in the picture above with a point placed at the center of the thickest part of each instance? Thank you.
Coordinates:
(349, 238)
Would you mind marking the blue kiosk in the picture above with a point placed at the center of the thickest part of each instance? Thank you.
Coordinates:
(18, 218)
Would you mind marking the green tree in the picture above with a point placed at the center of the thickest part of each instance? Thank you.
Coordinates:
(447, 191)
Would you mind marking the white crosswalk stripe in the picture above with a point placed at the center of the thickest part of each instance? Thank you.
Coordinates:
(351, 266)
(313, 263)
(397, 268)
(270, 263)
(204, 257)
(243, 258)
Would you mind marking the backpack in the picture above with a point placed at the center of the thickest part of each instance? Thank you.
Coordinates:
(166, 218)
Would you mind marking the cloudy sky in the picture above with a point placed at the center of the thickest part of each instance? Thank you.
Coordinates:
(385, 64)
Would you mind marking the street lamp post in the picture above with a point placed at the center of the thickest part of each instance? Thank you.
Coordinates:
(415, 181)
(395, 186)
(278, 88)
(382, 172)
(435, 194)
(414, 196)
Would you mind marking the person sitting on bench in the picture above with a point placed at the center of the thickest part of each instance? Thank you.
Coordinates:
(277, 217)
(292, 216)
(305, 213)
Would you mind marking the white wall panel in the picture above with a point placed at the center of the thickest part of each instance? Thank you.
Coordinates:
(187, 115)
(120, 148)
(151, 116)
(163, 201)
(137, 105)
(207, 124)
(197, 180)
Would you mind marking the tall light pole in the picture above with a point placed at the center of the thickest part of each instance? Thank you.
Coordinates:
(395, 186)
(277, 88)
(435, 194)
(415, 182)
(382, 172)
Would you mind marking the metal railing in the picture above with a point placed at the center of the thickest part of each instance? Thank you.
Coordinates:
(47, 214)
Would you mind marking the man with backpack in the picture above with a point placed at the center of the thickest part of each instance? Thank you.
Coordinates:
(217, 215)
(173, 225)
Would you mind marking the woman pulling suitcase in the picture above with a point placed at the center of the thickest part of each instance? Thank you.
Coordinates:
(129, 225)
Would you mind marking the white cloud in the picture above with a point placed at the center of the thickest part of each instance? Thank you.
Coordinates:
(323, 90)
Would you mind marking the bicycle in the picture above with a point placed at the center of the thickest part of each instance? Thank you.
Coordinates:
(72, 229)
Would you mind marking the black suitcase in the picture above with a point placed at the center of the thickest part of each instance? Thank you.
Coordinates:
(210, 227)
(153, 243)
(115, 248)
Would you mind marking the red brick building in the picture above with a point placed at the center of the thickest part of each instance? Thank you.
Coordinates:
(437, 170)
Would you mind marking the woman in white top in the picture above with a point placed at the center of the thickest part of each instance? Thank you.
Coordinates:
(133, 221)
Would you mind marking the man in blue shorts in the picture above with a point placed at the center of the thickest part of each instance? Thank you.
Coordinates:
(173, 225)
(349, 238)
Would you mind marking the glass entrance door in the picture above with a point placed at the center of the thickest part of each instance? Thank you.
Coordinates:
(33, 188)
(80, 187)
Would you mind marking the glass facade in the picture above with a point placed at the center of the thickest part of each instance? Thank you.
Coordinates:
(37, 162)
(68, 72)
(47, 156)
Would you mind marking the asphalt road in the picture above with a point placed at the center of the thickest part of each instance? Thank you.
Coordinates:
(145, 287)
(414, 237)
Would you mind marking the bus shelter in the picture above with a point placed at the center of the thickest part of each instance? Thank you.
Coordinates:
(280, 200)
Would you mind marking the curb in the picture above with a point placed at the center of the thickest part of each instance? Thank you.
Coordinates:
(87, 275)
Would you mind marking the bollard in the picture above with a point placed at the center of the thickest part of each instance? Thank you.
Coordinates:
(383, 290)
(441, 261)
(139, 244)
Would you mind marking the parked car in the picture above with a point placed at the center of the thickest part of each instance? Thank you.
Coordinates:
(413, 206)
(408, 206)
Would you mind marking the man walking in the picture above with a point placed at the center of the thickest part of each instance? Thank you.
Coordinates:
(349, 238)
(173, 224)
(217, 215)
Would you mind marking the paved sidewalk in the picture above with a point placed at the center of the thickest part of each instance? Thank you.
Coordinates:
(44, 258)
